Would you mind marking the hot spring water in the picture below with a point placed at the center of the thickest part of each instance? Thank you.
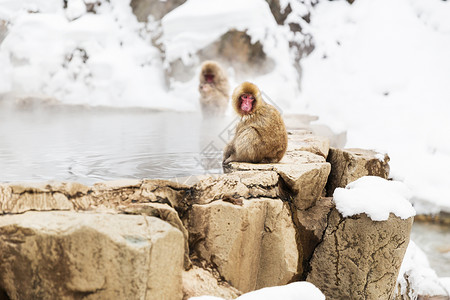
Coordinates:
(88, 145)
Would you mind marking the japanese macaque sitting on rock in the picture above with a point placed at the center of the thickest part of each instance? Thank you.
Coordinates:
(261, 135)
(214, 89)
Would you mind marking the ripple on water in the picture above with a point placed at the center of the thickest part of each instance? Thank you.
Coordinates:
(91, 145)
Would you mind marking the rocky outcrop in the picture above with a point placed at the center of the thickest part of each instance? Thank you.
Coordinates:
(69, 255)
(252, 245)
(257, 225)
(351, 164)
(201, 281)
(302, 174)
(359, 258)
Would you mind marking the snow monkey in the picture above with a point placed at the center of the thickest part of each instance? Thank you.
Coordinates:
(214, 89)
(260, 135)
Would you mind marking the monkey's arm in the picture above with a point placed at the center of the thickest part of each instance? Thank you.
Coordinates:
(228, 153)
(248, 146)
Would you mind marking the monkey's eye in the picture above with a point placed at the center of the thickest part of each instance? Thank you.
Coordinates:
(247, 97)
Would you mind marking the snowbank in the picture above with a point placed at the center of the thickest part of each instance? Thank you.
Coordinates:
(417, 278)
(376, 197)
(77, 57)
(380, 71)
(290, 291)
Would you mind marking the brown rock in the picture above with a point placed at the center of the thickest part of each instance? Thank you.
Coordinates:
(360, 258)
(304, 175)
(165, 213)
(299, 140)
(69, 255)
(198, 282)
(310, 225)
(237, 185)
(347, 165)
(123, 192)
(19, 198)
(252, 245)
(155, 8)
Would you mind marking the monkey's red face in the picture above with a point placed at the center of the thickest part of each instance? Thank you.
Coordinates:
(247, 102)
(209, 77)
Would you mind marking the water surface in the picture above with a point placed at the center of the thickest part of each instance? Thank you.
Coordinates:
(88, 145)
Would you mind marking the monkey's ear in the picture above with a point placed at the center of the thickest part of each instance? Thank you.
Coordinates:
(246, 88)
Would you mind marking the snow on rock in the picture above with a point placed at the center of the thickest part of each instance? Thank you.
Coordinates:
(197, 23)
(104, 58)
(290, 291)
(416, 278)
(376, 197)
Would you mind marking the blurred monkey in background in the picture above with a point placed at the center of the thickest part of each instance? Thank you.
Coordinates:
(261, 135)
(214, 89)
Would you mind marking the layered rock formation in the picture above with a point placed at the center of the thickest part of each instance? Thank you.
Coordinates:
(257, 225)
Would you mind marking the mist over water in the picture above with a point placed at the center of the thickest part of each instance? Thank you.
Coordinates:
(87, 145)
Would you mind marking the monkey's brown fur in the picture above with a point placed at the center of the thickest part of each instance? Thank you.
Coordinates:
(261, 135)
(213, 95)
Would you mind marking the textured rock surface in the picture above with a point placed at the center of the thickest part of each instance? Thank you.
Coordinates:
(237, 186)
(310, 225)
(347, 165)
(114, 193)
(301, 140)
(198, 281)
(305, 175)
(166, 213)
(69, 255)
(22, 197)
(18, 198)
(359, 258)
(252, 245)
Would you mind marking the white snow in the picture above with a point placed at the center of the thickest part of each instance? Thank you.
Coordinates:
(83, 58)
(376, 197)
(198, 23)
(415, 271)
(380, 70)
(292, 291)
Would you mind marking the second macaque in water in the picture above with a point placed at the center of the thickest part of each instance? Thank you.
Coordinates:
(214, 90)
(261, 135)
